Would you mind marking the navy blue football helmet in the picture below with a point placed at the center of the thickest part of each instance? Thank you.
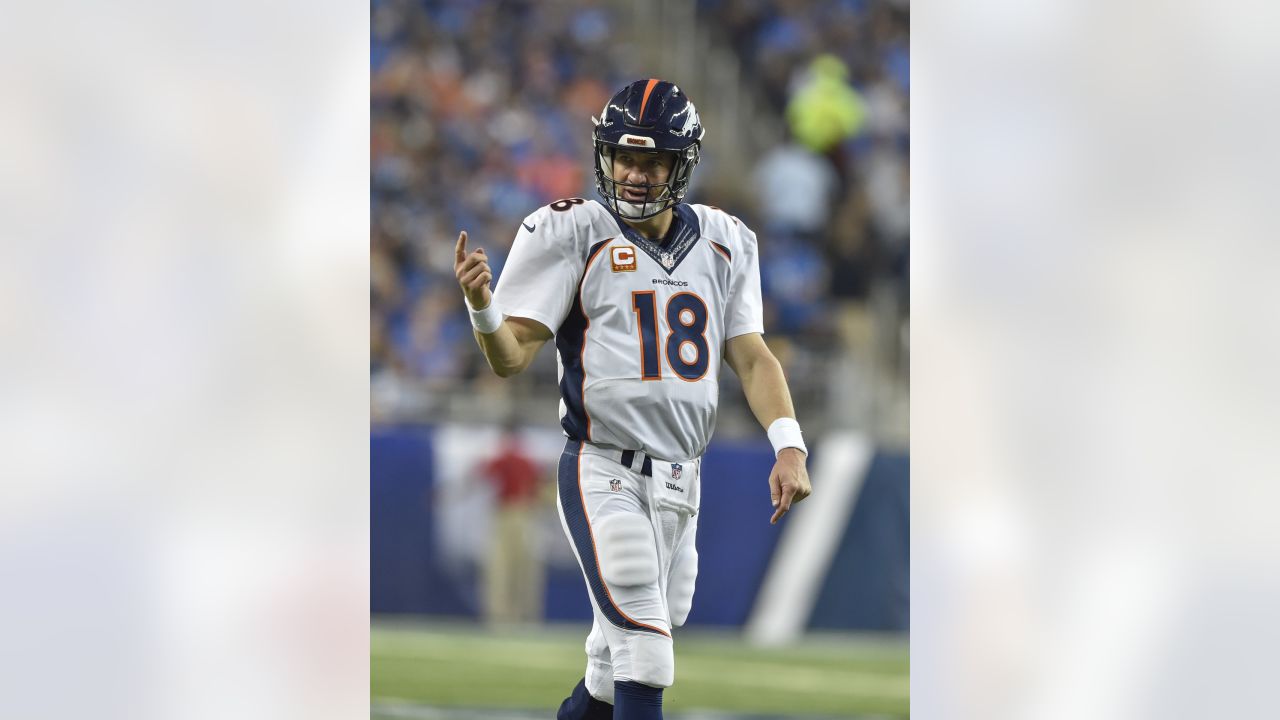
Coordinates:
(647, 116)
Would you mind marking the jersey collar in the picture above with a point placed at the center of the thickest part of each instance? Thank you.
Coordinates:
(680, 239)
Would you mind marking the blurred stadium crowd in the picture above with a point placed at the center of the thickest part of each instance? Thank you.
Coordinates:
(481, 113)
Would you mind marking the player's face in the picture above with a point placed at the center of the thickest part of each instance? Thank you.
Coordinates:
(637, 168)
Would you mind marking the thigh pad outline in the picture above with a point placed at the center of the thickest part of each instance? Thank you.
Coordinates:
(625, 545)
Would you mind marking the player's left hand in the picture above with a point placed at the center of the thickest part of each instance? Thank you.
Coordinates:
(789, 482)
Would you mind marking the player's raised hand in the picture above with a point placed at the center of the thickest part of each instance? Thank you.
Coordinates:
(473, 273)
(788, 483)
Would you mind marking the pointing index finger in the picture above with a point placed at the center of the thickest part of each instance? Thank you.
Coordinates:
(788, 494)
(460, 250)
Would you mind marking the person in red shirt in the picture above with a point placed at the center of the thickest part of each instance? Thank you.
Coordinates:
(514, 571)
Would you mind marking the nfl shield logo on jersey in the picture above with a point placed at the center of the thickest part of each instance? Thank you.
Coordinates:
(675, 471)
(615, 484)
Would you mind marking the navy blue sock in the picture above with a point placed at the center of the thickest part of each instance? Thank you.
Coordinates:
(636, 701)
(582, 706)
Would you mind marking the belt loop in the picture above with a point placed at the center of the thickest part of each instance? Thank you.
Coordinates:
(628, 460)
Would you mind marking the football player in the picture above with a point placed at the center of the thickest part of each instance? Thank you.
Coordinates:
(644, 295)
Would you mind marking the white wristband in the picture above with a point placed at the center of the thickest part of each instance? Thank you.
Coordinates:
(486, 320)
(785, 433)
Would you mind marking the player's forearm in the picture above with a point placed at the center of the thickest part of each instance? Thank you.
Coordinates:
(766, 389)
(503, 351)
(493, 333)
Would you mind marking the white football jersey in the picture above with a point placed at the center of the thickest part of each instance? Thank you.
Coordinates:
(639, 328)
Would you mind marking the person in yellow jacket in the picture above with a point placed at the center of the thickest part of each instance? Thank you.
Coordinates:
(826, 110)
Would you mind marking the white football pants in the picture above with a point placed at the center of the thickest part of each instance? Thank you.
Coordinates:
(632, 527)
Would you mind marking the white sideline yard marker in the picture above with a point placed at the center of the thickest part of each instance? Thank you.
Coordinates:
(807, 546)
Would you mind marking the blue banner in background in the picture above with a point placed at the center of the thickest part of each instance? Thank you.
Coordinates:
(866, 587)
(404, 575)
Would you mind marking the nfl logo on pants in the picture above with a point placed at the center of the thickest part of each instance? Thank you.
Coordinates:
(675, 471)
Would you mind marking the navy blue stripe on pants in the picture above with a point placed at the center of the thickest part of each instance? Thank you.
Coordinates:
(575, 517)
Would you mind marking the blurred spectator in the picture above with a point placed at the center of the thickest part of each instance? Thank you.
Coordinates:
(886, 107)
(380, 356)
(852, 253)
(430, 348)
(884, 172)
(852, 257)
(796, 188)
(794, 274)
(825, 110)
(513, 573)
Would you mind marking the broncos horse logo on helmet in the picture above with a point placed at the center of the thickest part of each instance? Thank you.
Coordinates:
(648, 116)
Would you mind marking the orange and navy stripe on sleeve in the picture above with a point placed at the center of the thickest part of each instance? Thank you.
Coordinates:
(571, 342)
(723, 250)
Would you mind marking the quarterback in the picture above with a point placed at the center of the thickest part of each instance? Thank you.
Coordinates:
(644, 295)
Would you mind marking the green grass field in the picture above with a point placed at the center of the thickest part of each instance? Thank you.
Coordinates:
(462, 665)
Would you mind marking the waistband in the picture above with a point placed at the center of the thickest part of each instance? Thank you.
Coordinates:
(638, 461)
(628, 458)
(634, 460)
